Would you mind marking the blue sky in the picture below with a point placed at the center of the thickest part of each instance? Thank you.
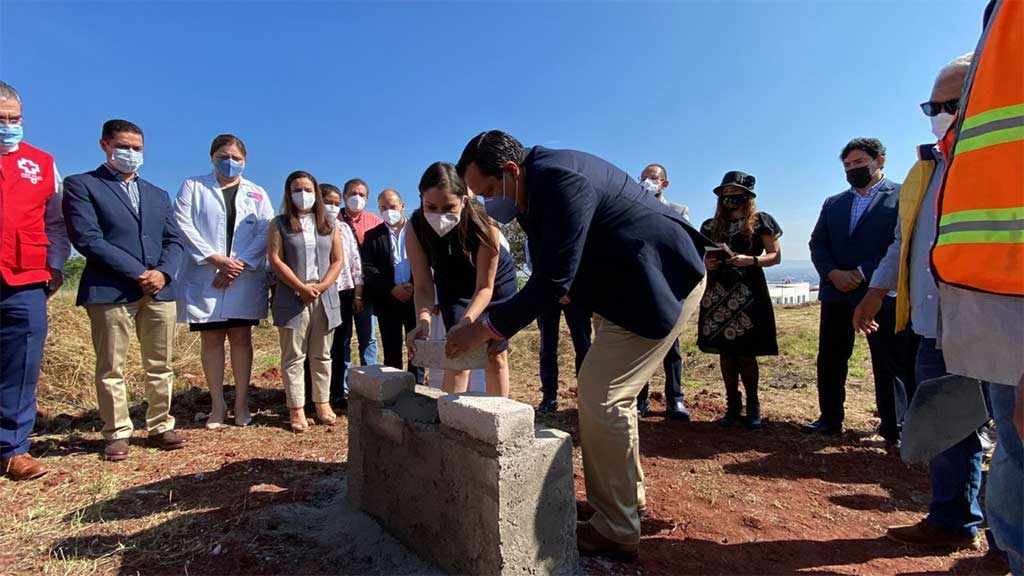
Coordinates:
(381, 90)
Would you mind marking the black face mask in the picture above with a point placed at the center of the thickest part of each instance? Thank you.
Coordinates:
(859, 177)
(734, 202)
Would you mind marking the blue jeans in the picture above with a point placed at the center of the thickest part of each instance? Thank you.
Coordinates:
(366, 335)
(22, 335)
(954, 475)
(1004, 492)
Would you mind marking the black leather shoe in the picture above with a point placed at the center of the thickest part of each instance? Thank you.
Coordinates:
(823, 428)
(642, 409)
(677, 411)
(547, 406)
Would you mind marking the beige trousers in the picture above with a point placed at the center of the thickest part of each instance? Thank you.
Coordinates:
(111, 335)
(312, 339)
(617, 366)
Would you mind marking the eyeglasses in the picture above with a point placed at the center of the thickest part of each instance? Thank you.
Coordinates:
(932, 109)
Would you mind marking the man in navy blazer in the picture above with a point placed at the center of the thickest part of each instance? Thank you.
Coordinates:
(125, 228)
(602, 242)
(851, 237)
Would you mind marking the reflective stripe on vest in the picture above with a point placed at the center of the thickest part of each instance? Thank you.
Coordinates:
(980, 241)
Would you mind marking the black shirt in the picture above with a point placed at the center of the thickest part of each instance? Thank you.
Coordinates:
(229, 201)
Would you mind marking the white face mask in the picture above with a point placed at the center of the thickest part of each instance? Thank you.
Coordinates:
(392, 217)
(651, 186)
(304, 199)
(941, 124)
(442, 223)
(356, 203)
(332, 211)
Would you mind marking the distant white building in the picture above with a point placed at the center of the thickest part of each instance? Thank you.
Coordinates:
(792, 292)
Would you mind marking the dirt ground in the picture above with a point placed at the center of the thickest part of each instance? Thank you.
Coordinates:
(261, 500)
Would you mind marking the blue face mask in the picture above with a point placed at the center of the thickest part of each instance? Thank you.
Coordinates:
(126, 160)
(228, 167)
(502, 208)
(11, 134)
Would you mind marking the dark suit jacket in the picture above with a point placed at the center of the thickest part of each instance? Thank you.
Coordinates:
(834, 247)
(378, 270)
(595, 234)
(118, 243)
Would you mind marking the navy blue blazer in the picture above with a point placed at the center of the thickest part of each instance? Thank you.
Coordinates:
(596, 235)
(834, 247)
(118, 243)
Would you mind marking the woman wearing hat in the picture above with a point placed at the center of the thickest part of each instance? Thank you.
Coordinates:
(736, 317)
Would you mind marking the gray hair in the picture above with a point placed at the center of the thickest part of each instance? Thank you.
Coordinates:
(959, 65)
(7, 92)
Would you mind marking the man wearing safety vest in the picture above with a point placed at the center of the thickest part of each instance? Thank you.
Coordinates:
(954, 474)
(978, 258)
(33, 248)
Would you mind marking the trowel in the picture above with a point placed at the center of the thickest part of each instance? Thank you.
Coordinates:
(943, 412)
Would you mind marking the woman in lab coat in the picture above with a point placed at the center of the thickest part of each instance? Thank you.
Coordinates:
(222, 285)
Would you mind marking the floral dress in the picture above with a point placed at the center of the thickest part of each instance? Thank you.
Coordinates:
(736, 315)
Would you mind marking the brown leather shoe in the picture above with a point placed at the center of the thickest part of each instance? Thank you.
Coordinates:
(169, 440)
(591, 543)
(927, 535)
(116, 450)
(585, 511)
(23, 467)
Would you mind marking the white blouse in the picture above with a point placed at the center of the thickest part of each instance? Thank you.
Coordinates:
(309, 238)
(352, 272)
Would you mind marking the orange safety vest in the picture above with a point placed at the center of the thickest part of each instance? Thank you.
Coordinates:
(980, 241)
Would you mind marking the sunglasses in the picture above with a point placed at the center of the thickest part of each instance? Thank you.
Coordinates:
(932, 109)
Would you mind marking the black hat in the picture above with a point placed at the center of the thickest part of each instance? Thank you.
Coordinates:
(737, 179)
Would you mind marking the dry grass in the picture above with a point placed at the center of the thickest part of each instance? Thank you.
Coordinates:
(156, 513)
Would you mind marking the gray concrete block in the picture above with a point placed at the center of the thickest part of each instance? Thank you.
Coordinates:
(431, 354)
(429, 392)
(380, 383)
(489, 419)
(481, 491)
(388, 424)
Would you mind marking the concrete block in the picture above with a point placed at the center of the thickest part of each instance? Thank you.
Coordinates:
(430, 354)
(388, 424)
(380, 383)
(429, 392)
(489, 419)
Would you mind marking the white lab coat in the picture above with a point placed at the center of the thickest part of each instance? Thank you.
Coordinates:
(202, 217)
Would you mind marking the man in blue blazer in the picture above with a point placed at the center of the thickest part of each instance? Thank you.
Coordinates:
(851, 237)
(125, 228)
(600, 241)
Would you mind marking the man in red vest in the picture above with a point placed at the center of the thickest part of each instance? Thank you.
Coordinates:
(33, 247)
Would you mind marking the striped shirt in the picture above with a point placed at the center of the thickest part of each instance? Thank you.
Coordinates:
(861, 203)
(130, 187)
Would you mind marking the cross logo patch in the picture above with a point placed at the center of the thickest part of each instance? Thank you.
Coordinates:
(30, 170)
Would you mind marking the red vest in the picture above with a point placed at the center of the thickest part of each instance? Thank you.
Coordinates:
(26, 183)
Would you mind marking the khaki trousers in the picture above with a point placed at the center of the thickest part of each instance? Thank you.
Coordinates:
(617, 366)
(314, 339)
(111, 335)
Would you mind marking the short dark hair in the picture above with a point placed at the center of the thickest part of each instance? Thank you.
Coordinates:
(354, 182)
(658, 166)
(871, 146)
(112, 127)
(227, 140)
(489, 151)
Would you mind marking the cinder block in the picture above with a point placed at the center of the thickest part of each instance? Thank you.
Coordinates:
(490, 419)
(380, 383)
(430, 354)
(432, 393)
(386, 423)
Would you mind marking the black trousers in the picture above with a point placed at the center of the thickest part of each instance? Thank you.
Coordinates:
(396, 319)
(580, 326)
(888, 363)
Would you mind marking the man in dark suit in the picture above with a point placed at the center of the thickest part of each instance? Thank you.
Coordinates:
(387, 280)
(125, 228)
(853, 232)
(600, 241)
